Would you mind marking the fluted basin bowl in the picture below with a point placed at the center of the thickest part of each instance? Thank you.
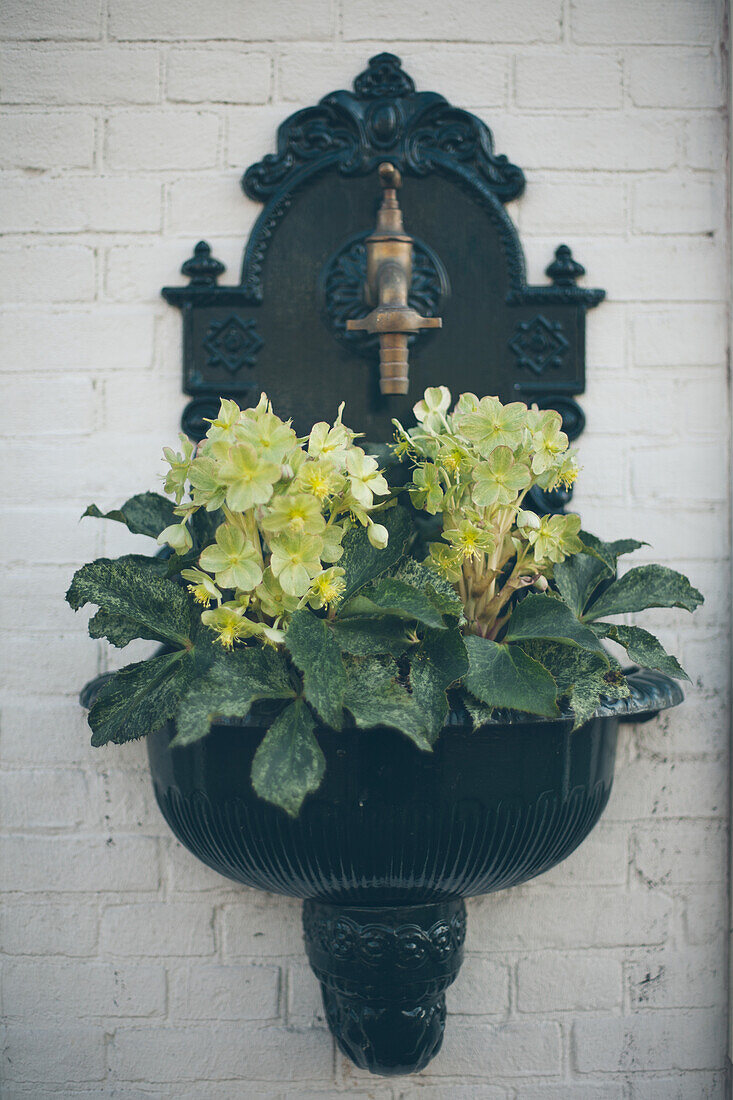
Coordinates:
(393, 841)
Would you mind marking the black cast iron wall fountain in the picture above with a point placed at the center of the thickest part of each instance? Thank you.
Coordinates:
(394, 840)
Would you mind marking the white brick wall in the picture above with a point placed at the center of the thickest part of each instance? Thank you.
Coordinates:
(130, 970)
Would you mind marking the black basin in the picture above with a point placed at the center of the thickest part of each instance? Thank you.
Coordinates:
(393, 841)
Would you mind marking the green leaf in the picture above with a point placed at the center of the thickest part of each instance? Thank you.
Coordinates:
(578, 577)
(375, 698)
(367, 636)
(440, 591)
(116, 628)
(549, 618)
(316, 652)
(610, 552)
(362, 562)
(504, 676)
(144, 514)
(289, 763)
(642, 587)
(438, 662)
(138, 699)
(134, 598)
(642, 647)
(229, 688)
(396, 598)
(583, 678)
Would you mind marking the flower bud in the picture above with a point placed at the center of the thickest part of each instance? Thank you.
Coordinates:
(528, 519)
(378, 535)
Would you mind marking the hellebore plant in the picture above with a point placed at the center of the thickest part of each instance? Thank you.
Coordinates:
(278, 593)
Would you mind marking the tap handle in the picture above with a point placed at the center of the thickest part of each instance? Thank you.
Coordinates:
(389, 176)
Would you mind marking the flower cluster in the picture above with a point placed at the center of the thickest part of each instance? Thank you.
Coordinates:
(474, 466)
(286, 505)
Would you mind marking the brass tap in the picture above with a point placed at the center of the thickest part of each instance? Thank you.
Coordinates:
(389, 275)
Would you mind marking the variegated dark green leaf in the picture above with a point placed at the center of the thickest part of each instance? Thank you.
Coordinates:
(642, 647)
(376, 698)
(642, 587)
(438, 662)
(552, 620)
(578, 577)
(138, 699)
(133, 596)
(144, 514)
(393, 597)
(439, 590)
(610, 552)
(366, 636)
(316, 652)
(229, 688)
(504, 676)
(583, 678)
(289, 763)
(362, 562)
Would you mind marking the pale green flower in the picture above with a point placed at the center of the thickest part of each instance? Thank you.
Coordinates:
(248, 477)
(294, 512)
(320, 477)
(365, 478)
(500, 479)
(327, 588)
(426, 491)
(494, 425)
(273, 601)
(549, 444)
(295, 560)
(222, 429)
(176, 536)
(235, 562)
(332, 539)
(446, 560)
(430, 412)
(326, 440)
(202, 588)
(556, 538)
(175, 481)
(205, 480)
(378, 535)
(230, 624)
(269, 435)
(470, 540)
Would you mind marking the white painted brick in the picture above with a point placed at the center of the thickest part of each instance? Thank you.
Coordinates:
(80, 19)
(219, 1052)
(74, 204)
(706, 141)
(57, 139)
(680, 851)
(135, 273)
(687, 205)
(68, 540)
(105, 339)
(702, 537)
(610, 399)
(610, 1090)
(601, 860)
(481, 988)
(499, 1050)
(265, 926)
(79, 863)
(218, 76)
(612, 141)
(688, 335)
(701, 404)
(37, 74)
(43, 731)
(704, 921)
(705, 658)
(679, 470)
(157, 139)
(304, 1001)
(62, 273)
(674, 78)
(377, 1093)
(688, 22)
(684, 731)
(61, 665)
(156, 929)
(567, 917)
(81, 989)
(648, 1041)
(494, 21)
(691, 977)
(186, 19)
(581, 81)
(566, 206)
(673, 788)
(606, 338)
(579, 982)
(187, 874)
(123, 798)
(419, 1091)
(683, 1086)
(51, 406)
(227, 209)
(604, 465)
(212, 992)
(44, 798)
(54, 1055)
(37, 928)
(471, 75)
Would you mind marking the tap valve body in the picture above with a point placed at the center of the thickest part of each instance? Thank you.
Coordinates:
(389, 276)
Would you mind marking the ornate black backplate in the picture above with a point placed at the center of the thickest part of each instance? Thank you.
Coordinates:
(282, 328)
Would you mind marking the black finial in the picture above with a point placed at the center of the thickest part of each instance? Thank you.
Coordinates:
(202, 269)
(564, 270)
(384, 77)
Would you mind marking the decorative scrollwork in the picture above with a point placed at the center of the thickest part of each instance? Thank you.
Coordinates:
(539, 344)
(232, 343)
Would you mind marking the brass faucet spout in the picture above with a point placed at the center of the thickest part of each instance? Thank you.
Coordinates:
(389, 275)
